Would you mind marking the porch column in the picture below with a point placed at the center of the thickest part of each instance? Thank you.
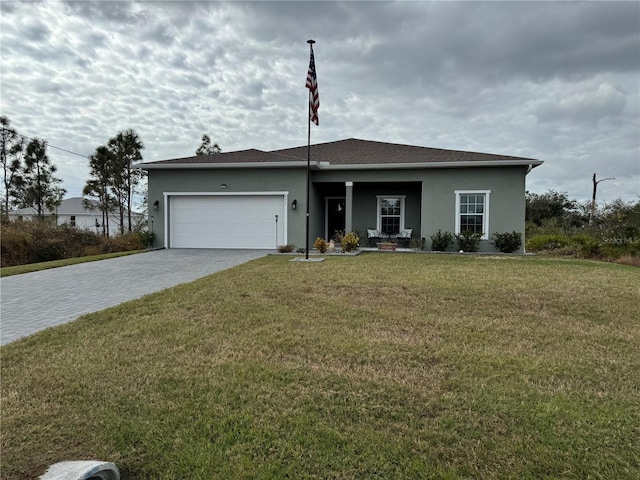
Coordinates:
(348, 206)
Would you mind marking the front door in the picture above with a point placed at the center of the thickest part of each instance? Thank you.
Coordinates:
(334, 216)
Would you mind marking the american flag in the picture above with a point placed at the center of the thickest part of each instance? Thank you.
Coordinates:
(312, 85)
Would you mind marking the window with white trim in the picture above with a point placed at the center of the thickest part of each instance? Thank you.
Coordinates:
(390, 214)
(472, 211)
(73, 220)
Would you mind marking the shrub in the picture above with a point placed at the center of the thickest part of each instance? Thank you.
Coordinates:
(26, 242)
(147, 238)
(469, 241)
(321, 245)
(46, 249)
(586, 246)
(416, 243)
(125, 243)
(286, 248)
(301, 250)
(349, 242)
(618, 251)
(75, 240)
(14, 248)
(547, 242)
(440, 241)
(507, 242)
(361, 233)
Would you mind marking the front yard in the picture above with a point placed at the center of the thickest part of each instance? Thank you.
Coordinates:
(373, 366)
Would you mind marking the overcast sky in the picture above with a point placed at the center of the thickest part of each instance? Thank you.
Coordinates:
(555, 81)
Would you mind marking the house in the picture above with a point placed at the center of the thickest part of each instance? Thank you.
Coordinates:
(257, 199)
(77, 212)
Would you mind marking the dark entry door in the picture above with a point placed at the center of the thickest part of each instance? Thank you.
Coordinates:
(334, 216)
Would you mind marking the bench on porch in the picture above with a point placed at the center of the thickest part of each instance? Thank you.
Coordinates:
(403, 238)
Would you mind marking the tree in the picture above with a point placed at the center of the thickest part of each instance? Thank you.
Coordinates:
(39, 187)
(206, 148)
(102, 165)
(11, 150)
(126, 147)
(552, 205)
(618, 222)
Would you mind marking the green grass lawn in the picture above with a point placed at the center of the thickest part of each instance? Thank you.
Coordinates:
(375, 366)
(36, 267)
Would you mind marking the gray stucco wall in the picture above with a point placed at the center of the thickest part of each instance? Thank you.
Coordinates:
(431, 198)
(240, 180)
(506, 200)
(430, 195)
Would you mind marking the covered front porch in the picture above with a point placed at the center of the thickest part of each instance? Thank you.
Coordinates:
(389, 208)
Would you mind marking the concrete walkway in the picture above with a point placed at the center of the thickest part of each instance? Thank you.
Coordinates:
(34, 301)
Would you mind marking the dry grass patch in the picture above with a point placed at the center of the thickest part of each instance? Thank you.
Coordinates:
(376, 366)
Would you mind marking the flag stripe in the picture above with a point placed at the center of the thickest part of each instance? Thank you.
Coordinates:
(312, 85)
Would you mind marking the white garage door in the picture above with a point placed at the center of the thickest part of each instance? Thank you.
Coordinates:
(226, 221)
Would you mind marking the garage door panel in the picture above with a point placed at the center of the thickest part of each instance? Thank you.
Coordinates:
(229, 221)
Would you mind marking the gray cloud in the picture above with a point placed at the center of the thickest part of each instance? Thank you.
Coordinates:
(584, 106)
(559, 81)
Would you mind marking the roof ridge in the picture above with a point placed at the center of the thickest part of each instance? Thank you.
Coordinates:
(350, 151)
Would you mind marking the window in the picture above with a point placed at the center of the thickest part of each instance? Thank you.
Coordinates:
(73, 220)
(390, 214)
(472, 212)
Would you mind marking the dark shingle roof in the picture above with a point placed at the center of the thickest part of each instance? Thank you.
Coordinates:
(240, 156)
(348, 152)
(365, 152)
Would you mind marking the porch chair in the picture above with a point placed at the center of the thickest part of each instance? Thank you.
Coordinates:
(404, 237)
(373, 236)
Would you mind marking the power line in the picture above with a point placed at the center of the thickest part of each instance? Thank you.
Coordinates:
(48, 144)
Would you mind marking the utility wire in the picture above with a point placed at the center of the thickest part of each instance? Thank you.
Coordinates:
(48, 144)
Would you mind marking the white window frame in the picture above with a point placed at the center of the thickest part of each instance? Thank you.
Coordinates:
(485, 214)
(379, 207)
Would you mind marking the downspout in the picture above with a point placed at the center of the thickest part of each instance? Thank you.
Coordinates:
(524, 234)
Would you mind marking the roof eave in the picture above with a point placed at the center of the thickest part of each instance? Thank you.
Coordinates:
(328, 166)
(408, 166)
(218, 166)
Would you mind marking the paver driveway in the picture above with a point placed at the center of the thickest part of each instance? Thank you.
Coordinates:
(34, 301)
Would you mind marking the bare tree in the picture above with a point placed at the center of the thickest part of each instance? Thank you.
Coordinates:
(593, 197)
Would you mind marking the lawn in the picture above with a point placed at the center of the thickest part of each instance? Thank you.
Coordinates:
(36, 267)
(374, 366)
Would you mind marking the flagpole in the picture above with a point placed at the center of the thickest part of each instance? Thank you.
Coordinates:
(310, 42)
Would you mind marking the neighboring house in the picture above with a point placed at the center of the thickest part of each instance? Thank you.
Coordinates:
(75, 212)
(257, 199)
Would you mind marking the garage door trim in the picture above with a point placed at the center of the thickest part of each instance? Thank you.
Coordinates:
(167, 197)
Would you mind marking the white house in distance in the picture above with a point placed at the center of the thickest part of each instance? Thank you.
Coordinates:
(75, 213)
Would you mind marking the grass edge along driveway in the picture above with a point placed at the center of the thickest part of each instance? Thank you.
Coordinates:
(376, 366)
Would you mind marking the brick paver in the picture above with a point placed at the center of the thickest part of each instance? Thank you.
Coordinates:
(34, 301)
